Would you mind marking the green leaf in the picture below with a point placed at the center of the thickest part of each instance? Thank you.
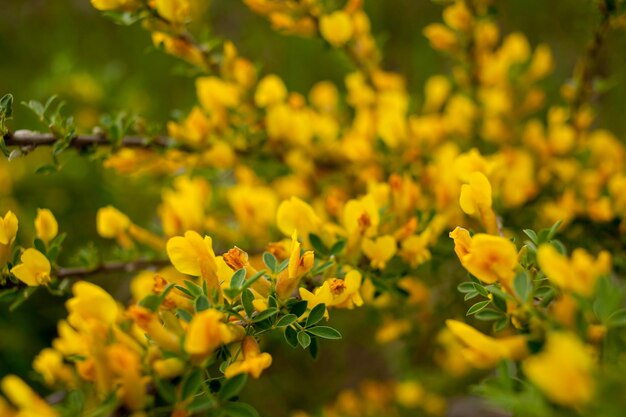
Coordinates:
(271, 311)
(247, 283)
(291, 336)
(317, 244)
(499, 293)
(185, 291)
(531, 235)
(270, 261)
(284, 264)
(184, 314)
(501, 324)
(191, 383)
(470, 295)
(552, 232)
(304, 339)
(151, 302)
(239, 409)
(193, 288)
(6, 106)
(8, 294)
(238, 277)
(233, 386)
(3, 147)
(522, 286)
(47, 169)
(338, 247)
(298, 308)
(322, 267)
(49, 102)
(201, 403)
(39, 245)
(316, 314)
(166, 390)
(36, 107)
(58, 241)
(617, 319)
(314, 348)
(287, 320)
(202, 303)
(489, 314)
(325, 332)
(481, 290)
(246, 299)
(466, 287)
(477, 307)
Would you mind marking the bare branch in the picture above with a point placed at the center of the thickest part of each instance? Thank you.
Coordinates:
(110, 268)
(28, 139)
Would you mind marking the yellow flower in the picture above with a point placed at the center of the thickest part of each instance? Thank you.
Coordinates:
(482, 351)
(409, 393)
(462, 241)
(215, 94)
(475, 200)
(90, 304)
(489, 258)
(193, 255)
(149, 322)
(46, 225)
(541, 63)
(336, 28)
(415, 249)
(578, 274)
(562, 370)
(25, 399)
(49, 364)
(8, 231)
(183, 206)
(271, 90)
(295, 214)
(335, 292)
(115, 4)
(253, 362)
(168, 368)
(361, 216)
(69, 342)
(207, 332)
(440, 37)
(179, 47)
(324, 96)
(176, 11)
(458, 16)
(379, 251)
(195, 129)
(437, 90)
(126, 365)
(8, 228)
(299, 265)
(254, 207)
(34, 269)
(113, 224)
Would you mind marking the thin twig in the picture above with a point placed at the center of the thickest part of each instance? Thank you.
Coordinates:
(110, 268)
(30, 139)
(589, 63)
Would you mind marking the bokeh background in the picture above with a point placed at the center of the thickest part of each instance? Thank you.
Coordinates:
(65, 47)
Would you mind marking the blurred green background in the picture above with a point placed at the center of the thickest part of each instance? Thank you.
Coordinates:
(65, 47)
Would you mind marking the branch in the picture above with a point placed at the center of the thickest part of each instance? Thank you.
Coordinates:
(28, 139)
(110, 268)
(589, 63)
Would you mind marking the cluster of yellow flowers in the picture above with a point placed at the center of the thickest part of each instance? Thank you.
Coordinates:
(365, 189)
(388, 398)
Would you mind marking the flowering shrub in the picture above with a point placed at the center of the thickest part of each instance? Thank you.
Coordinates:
(278, 210)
